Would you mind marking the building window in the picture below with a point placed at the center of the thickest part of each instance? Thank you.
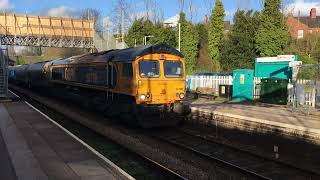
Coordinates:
(300, 34)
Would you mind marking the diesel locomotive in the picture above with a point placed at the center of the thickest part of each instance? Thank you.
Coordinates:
(145, 85)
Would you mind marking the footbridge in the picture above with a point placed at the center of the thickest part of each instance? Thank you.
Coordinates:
(45, 31)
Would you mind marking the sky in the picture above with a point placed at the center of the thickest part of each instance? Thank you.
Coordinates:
(170, 8)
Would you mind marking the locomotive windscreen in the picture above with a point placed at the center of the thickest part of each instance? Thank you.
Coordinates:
(173, 69)
(149, 68)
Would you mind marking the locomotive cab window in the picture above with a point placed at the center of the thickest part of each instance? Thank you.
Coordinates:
(127, 70)
(173, 69)
(149, 68)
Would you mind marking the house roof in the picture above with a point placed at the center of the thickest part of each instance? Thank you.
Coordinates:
(310, 22)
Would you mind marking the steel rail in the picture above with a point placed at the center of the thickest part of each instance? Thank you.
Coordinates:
(250, 153)
(20, 92)
(207, 156)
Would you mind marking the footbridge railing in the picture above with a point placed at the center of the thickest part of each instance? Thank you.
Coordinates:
(45, 31)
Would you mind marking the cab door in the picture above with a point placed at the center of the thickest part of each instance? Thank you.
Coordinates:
(126, 80)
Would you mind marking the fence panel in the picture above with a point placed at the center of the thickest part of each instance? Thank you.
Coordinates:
(306, 91)
(256, 87)
(193, 82)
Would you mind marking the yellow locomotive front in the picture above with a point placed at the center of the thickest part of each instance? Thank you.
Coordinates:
(161, 85)
(160, 79)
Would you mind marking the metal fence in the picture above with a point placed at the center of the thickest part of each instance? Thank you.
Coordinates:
(305, 89)
(193, 82)
(306, 92)
(3, 73)
(256, 87)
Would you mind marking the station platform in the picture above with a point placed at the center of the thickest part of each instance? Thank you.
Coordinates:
(259, 117)
(32, 146)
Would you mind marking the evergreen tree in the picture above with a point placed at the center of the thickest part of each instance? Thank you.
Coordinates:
(136, 33)
(148, 27)
(316, 52)
(189, 43)
(239, 50)
(272, 36)
(204, 63)
(216, 34)
(202, 30)
(163, 35)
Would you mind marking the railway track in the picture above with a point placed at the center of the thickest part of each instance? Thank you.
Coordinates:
(215, 161)
(251, 165)
(146, 168)
(247, 150)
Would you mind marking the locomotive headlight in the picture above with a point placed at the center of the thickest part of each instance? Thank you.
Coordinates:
(181, 96)
(142, 97)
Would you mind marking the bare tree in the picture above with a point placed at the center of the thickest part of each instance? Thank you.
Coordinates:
(147, 4)
(191, 9)
(155, 11)
(261, 4)
(284, 6)
(161, 14)
(195, 12)
(122, 16)
(152, 10)
(93, 14)
(209, 5)
(181, 5)
(244, 4)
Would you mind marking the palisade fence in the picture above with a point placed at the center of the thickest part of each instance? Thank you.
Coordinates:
(307, 91)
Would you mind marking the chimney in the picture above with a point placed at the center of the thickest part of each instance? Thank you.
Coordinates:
(313, 13)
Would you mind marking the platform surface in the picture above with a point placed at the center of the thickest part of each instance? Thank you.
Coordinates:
(263, 113)
(32, 147)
